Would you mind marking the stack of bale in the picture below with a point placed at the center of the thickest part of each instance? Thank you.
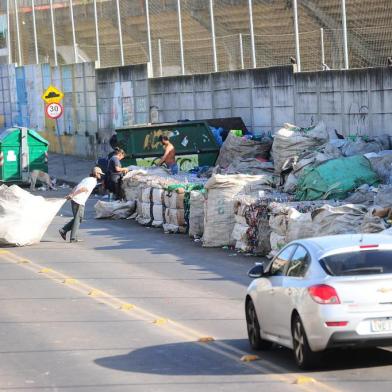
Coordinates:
(219, 219)
(251, 230)
(196, 213)
(174, 221)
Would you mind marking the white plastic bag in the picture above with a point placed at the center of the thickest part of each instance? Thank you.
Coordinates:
(114, 209)
(24, 218)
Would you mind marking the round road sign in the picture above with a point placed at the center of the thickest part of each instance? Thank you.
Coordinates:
(54, 110)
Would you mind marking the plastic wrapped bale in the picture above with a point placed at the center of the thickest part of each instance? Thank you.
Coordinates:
(244, 233)
(277, 243)
(310, 159)
(292, 141)
(334, 179)
(345, 219)
(290, 221)
(174, 221)
(219, 217)
(24, 218)
(252, 211)
(383, 196)
(365, 195)
(114, 210)
(240, 237)
(196, 213)
(376, 220)
(361, 147)
(382, 164)
(248, 166)
(299, 225)
(144, 206)
(137, 176)
(157, 197)
(174, 199)
(236, 147)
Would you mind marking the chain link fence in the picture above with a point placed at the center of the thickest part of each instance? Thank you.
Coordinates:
(195, 36)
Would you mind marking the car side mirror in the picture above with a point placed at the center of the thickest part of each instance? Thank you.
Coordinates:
(257, 271)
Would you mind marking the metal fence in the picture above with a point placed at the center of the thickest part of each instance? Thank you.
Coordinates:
(197, 36)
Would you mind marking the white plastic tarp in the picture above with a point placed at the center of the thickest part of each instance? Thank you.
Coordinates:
(24, 218)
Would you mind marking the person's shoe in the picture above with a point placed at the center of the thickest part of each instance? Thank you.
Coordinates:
(75, 240)
(63, 234)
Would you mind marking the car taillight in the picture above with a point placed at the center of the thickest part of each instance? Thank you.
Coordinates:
(368, 246)
(336, 323)
(324, 294)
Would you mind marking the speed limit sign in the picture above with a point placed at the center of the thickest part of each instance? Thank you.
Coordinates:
(54, 110)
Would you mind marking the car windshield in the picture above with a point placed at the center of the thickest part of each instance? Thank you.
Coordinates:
(368, 262)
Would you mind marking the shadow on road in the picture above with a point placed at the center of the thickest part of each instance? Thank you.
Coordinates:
(225, 264)
(187, 358)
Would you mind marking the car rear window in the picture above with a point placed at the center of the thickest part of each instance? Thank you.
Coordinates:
(365, 262)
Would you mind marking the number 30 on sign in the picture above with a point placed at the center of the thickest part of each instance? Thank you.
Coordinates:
(54, 110)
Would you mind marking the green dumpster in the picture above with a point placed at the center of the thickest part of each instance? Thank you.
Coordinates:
(22, 150)
(194, 142)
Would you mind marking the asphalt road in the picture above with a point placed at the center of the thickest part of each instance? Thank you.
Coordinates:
(132, 309)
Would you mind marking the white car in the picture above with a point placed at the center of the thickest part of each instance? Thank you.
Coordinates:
(321, 293)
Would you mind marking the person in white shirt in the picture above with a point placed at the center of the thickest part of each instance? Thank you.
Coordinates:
(78, 197)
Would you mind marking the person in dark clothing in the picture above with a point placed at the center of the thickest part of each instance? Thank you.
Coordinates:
(115, 172)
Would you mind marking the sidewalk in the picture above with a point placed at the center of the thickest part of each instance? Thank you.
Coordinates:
(76, 168)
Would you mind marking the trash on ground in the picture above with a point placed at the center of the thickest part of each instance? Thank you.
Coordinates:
(114, 209)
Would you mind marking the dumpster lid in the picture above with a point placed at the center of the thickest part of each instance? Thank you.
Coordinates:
(226, 123)
(5, 133)
(37, 136)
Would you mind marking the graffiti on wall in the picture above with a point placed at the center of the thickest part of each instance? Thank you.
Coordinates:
(358, 115)
(185, 162)
(151, 140)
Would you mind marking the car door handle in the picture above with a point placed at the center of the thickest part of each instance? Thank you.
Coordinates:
(272, 291)
(289, 291)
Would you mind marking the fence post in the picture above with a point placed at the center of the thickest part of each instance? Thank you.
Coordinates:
(35, 32)
(147, 5)
(18, 33)
(97, 34)
(120, 31)
(8, 33)
(213, 35)
(345, 44)
(252, 33)
(241, 52)
(322, 48)
(181, 40)
(160, 57)
(73, 31)
(53, 33)
(296, 30)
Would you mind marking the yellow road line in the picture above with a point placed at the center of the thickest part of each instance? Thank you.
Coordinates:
(173, 327)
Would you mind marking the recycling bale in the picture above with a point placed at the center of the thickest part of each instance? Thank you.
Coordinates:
(335, 178)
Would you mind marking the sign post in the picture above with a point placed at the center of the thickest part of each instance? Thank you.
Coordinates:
(54, 110)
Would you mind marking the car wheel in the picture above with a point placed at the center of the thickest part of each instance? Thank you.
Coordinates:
(304, 356)
(253, 327)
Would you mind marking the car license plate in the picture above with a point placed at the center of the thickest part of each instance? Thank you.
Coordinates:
(382, 325)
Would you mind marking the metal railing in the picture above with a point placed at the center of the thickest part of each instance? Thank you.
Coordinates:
(197, 36)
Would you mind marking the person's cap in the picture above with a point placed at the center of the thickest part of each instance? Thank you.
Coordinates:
(97, 170)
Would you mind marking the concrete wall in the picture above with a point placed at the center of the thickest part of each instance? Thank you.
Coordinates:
(98, 101)
(263, 98)
(22, 88)
(122, 100)
(353, 102)
(95, 103)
